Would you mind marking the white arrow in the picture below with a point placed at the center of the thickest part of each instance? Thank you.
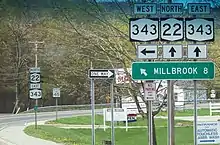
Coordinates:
(143, 71)
(110, 73)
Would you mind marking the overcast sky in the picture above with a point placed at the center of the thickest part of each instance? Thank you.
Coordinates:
(174, 1)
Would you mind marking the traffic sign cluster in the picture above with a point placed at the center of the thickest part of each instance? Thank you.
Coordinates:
(35, 85)
(171, 29)
(171, 51)
(171, 8)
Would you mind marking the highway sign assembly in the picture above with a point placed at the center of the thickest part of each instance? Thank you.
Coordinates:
(143, 29)
(149, 91)
(171, 29)
(208, 132)
(197, 51)
(145, 8)
(199, 29)
(101, 74)
(172, 51)
(56, 92)
(173, 70)
(35, 85)
(147, 51)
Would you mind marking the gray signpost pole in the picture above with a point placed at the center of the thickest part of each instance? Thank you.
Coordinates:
(150, 124)
(93, 111)
(170, 101)
(56, 108)
(195, 113)
(112, 115)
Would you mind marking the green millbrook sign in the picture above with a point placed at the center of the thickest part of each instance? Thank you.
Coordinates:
(173, 70)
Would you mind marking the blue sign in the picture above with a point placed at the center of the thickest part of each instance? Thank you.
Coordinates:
(199, 8)
(173, 8)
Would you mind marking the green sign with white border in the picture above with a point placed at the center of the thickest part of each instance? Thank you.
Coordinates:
(187, 70)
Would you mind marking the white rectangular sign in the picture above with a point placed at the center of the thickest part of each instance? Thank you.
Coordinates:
(149, 91)
(147, 51)
(208, 132)
(142, 29)
(35, 94)
(172, 51)
(56, 92)
(197, 51)
(35, 86)
(121, 77)
(120, 114)
(34, 70)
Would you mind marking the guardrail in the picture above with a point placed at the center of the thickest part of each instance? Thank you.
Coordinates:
(68, 107)
(187, 105)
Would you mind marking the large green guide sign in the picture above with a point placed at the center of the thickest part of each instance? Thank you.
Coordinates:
(173, 70)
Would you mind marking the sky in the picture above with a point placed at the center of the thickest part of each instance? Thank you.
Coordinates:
(216, 2)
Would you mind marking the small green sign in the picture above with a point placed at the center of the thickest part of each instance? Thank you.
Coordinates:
(35, 108)
(173, 70)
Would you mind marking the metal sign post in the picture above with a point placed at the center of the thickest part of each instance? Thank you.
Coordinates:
(112, 115)
(149, 95)
(170, 121)
(56, 95)
(93, 110)
(35, 89)
(100, 74)
(195, 113)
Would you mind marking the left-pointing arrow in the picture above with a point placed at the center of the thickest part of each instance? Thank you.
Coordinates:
(144, 51)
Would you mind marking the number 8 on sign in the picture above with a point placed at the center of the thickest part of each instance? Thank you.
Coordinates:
(144, 29)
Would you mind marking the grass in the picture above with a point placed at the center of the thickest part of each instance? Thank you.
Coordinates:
(188, 112)
(86, 120)
(183, 135)
(132, 137)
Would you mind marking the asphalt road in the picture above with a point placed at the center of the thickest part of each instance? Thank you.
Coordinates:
(21, 119)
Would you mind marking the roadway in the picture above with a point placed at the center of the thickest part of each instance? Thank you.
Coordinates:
(21, 119)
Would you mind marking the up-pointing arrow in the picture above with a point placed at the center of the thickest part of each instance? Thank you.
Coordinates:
(197, 51)
(172, 51)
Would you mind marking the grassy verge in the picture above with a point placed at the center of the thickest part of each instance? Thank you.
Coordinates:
(86, 120)
(183, 135)
(83, 136)
(188, 112)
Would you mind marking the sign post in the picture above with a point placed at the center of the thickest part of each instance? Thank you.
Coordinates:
(35, 88)
(149, 95)
(101, 74)
(56, 95)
